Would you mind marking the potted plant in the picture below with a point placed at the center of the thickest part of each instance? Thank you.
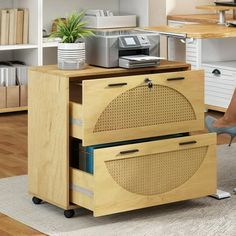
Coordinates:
(71, 49)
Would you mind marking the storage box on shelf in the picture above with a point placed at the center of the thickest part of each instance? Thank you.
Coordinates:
(107, 22)
(13, 82)
(20, 34)
(141, 169)
(13, 98)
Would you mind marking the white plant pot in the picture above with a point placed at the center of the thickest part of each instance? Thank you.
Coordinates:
(71, 56)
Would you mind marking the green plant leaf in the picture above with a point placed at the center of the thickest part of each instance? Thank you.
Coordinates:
(72, 29)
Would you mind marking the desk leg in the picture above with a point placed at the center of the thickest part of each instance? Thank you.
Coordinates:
(234, 14)
(222, 18)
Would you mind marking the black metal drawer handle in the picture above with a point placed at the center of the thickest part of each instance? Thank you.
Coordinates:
(177, 78)
(188, 143)
(216, 72)
(129, 151)
(117, 85)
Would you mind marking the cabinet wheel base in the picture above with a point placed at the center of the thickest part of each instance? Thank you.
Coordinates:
(69, 213)
(36, 200)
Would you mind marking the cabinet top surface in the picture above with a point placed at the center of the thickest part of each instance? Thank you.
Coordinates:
(199, 18)
(199, 31)
(99, 71)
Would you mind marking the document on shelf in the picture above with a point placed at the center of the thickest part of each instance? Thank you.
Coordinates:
(21, 73)
(7, 75)
(98, 13)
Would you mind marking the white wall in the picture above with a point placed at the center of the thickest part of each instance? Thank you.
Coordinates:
(157, 12)
(53, 9)
(138, 7)
(157, 16)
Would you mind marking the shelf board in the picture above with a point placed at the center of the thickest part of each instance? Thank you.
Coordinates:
(17, 47)
(50, 44)
(13, 109)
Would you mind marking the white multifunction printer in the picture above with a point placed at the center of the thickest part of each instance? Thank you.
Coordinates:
(123, 48)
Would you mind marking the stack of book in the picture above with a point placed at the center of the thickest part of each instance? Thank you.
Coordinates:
(14, 26)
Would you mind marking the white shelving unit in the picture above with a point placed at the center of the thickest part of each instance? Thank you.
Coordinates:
(41, 16)
(43, 12)
(17, 47)
(50, 44)
(49, 52)
(29, 53)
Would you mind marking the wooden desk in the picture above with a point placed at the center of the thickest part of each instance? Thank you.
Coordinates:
(221, 9)
(198, 31)
(198, 18)
(206, 46)
(215, 8)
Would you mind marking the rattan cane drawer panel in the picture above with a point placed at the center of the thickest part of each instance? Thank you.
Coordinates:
(130, 109)
(125, 108)
(141, 175)
(163, 172)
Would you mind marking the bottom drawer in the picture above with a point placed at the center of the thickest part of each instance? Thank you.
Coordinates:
(141, 175)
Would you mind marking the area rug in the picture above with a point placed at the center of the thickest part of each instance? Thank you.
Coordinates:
(204, 216)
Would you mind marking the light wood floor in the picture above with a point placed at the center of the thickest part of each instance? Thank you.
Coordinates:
(13, 161)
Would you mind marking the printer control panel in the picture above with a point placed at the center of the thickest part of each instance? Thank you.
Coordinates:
(136, 41)
(144, 41)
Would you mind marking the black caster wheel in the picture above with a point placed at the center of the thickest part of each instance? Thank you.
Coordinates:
(69, 213)
(36, 200)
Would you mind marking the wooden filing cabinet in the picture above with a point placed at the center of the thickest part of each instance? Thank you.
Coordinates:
(100, 106)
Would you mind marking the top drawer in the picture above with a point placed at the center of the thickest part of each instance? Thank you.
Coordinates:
(133, 107)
